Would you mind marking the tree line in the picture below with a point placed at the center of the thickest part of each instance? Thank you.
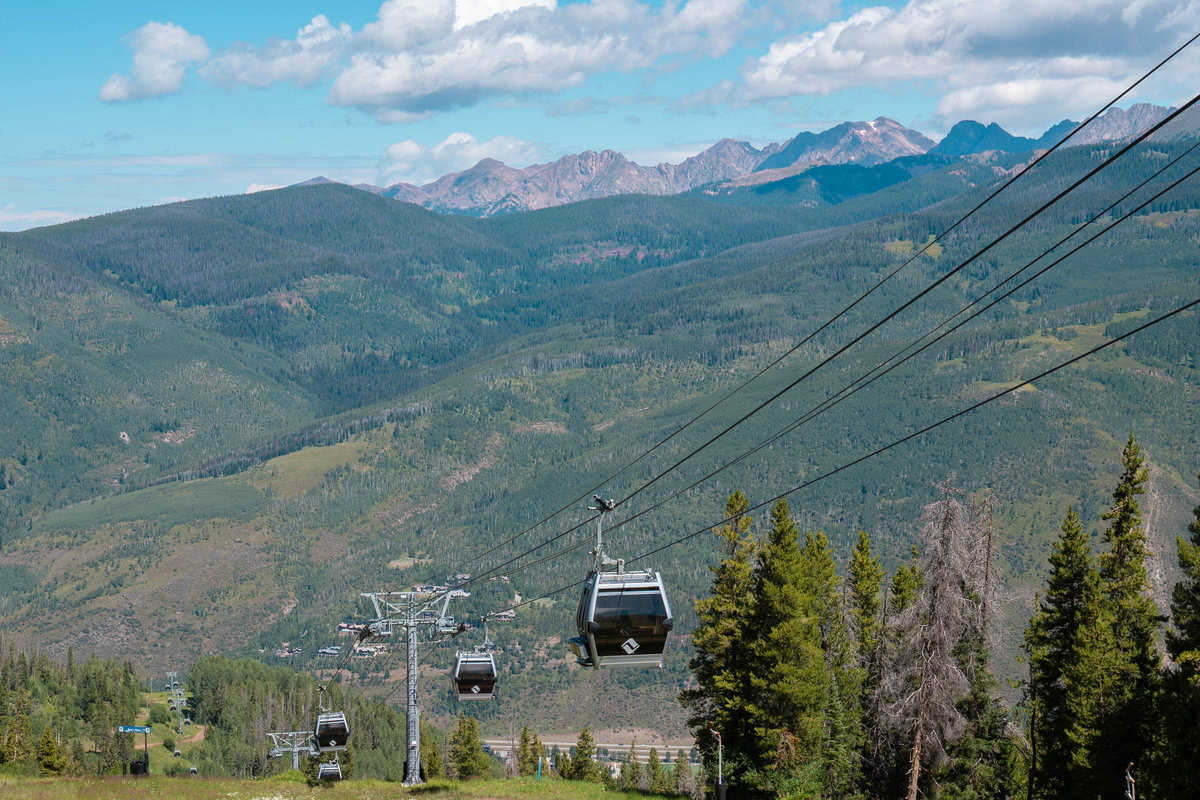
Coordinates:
(822, 685)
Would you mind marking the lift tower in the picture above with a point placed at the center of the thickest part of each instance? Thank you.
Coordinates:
(422, 617)
(294, 742)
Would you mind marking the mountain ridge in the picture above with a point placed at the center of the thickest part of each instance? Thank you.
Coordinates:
(491, 187)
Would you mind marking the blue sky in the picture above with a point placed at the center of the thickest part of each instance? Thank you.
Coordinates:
(129, 104)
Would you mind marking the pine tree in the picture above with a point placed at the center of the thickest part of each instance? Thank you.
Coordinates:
(526, 762)
(983, 763)
(431, 752)
(582, 766)
(906, 583)
(843, 677)
(20, 746)
(538, 754)
(466, 750)
(722, 640)
(684, 780)
(1133, 664)
(634, 780)
(788, 678)
(1065, 638)
(864, 581)
(657, 777)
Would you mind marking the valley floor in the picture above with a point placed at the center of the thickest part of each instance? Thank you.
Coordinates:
(164, 788)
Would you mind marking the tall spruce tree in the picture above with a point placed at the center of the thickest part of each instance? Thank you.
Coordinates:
(1066, 639)
(863, 582)
(466, 750)
(843, 679)
(1133, 664)
(583, 765)
(788, 680)
(722, 646)
(526, 761)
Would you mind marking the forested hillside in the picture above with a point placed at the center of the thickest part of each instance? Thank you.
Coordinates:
(229, 417)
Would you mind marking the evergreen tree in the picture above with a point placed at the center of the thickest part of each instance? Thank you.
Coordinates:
(788, 680)
(864, 581)
(722, 638)
(843, 679)
(20, 746)
(634, 779)
(582, 766)
(431, 753)
(538, 753)
(983, 763)
(1066, 639)
(466, 750)
(657, 776)
(526, 761)
(1133, 664)
(906, 583)
(626, 780)
(684, 780)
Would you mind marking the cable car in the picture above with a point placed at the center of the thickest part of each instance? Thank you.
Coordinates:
(623, 619)
(475, 676)
(332, 732)
(329, 771)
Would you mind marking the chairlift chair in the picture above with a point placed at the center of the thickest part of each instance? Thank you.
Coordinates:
(623, 619)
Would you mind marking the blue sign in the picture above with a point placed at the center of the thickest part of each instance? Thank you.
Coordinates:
(133, 729)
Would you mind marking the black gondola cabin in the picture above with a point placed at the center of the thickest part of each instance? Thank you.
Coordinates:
(623, 620)
(475, 676)
(332, 732)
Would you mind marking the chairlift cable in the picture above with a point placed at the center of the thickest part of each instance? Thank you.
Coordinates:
(572, 503)
(909, 437)
(874, 373)
(962, 265)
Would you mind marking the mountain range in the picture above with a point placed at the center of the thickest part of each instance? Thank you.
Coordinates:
(729, 166)
(228, 417)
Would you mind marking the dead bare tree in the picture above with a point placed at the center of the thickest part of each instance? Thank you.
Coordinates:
(922, 680)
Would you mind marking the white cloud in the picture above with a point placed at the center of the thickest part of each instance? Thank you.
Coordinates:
(420, 57)
(254, 188)
(469, 12)
(13, 220)
(301, 60)
(989, 58)
(413, 162)
(162, 52)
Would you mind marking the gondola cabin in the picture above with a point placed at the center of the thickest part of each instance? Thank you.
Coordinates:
(475, 676)
(332, 732)
(329, 771)
(623, 620)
